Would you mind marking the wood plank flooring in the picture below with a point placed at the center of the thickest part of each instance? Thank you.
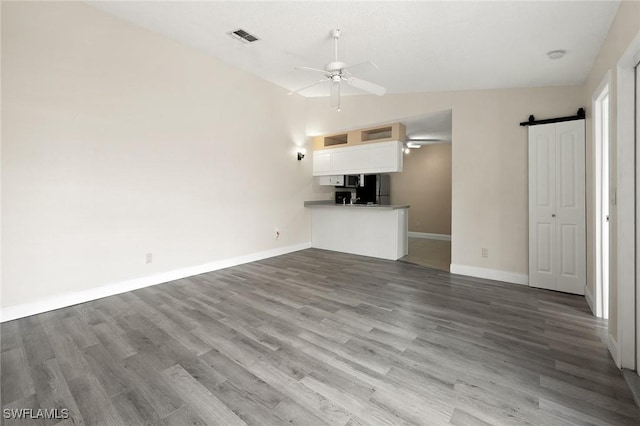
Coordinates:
(435, 254)
(314, 338)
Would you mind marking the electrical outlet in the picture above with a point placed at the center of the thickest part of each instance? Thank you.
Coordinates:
(485, 252)
(148, 258)
(276, 233)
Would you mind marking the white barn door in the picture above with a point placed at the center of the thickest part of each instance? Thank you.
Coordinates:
(557, 220)
(542, 205)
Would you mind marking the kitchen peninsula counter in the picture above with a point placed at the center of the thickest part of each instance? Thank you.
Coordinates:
(366, 229)
(328, 204)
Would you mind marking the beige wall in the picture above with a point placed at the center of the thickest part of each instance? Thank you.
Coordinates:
(425, 184)
(117, 142)
(489, 151)
(625, 27)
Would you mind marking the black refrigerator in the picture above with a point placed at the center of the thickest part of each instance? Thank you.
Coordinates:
(374, 189)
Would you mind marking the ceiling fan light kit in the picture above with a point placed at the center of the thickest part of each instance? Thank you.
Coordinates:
(336, 72)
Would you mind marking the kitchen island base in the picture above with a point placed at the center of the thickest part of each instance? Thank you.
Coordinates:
(376, 231)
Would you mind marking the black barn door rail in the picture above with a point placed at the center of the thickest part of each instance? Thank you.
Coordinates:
(532, 120)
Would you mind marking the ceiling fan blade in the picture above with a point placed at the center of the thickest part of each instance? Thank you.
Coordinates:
(306, 87)
(335, 94)
(363, 66)
(367, 86)
(311, 69)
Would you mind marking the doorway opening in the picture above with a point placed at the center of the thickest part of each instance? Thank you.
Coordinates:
(426, 185)
(602, 197)
(623, 344)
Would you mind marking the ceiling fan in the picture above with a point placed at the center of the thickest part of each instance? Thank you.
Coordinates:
(337, 72)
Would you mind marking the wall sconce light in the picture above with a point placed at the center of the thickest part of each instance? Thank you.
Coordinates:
(300, 155)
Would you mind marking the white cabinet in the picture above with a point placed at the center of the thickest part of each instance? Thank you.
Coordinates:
(322, 163)
(557, 216)
(381, 157)
(332, 180)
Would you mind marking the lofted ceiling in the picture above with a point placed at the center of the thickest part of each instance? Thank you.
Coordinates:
(419, 46)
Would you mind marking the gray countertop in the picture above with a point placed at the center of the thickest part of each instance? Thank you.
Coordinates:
(331, 204)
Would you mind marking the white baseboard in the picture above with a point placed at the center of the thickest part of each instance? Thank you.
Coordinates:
(491, 274)
(614, 350)
(24, 310)
(430, 236)
(589, 296)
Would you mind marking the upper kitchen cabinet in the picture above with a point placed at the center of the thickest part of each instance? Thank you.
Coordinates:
(332, 180)
(371, 150)
(381, 157)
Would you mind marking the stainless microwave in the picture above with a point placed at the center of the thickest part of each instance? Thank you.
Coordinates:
(351, 181)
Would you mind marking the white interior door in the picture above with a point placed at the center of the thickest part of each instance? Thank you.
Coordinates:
(557, 222)
(602, 182)
(542, 205)
(637, 70)
(570, 217)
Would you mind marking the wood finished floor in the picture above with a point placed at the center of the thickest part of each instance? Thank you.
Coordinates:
(316, 337)
(434, 254)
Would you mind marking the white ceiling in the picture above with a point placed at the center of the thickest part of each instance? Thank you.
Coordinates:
(436, 126)
(419, 46)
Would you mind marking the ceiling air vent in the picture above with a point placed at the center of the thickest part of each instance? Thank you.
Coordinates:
(243, 36)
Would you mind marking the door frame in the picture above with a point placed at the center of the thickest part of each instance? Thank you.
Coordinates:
(599, 300)
(623, 345)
